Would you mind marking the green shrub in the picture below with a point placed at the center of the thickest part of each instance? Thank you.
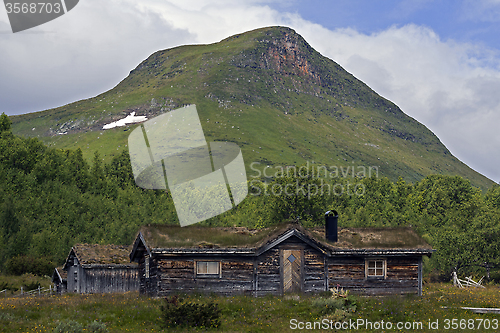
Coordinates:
(338, 303)
(68, 326)
(97, 327)
(31, 286)
(437, 276)
(495, 276)
(328, 305)
(176, 312)
(28, 264)
(4, 285)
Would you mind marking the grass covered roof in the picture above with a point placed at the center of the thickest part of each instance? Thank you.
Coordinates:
(91, 254)
(167, 236)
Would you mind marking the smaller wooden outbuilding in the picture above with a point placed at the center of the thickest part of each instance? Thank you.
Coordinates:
(283, 258)
(93, 268)
(60, 281)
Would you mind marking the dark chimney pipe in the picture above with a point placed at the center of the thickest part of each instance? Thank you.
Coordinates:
(331, 219)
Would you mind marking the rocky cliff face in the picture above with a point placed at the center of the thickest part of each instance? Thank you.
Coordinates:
(288, 55)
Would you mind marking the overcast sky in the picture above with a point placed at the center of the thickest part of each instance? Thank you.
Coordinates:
(438, 60)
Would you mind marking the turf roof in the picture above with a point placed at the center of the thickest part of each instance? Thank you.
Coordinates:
(110, 254)
(59, 274)
(373, 238)
(166, 236)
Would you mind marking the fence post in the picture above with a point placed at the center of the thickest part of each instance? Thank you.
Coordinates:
(38, 290)
(21, 290)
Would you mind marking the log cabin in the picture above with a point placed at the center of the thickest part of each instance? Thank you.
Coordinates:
(94, 268)
(280, 259)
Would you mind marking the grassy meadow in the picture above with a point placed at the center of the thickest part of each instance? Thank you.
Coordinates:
(129, 312)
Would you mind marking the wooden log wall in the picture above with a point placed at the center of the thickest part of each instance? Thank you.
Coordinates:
(268, 275)
(178, 275)
(402, 276)
(148, 286)
(314, 271)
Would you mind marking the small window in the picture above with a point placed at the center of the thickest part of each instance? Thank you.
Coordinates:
(208, 268)
(375, 268)
(146, 267)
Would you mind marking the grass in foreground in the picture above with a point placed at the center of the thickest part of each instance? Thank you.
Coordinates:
(133, 313)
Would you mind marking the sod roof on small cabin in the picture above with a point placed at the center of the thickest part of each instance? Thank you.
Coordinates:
(167, 236)
(373, 238)
(62, 273)
(91, 254)
(59, 274)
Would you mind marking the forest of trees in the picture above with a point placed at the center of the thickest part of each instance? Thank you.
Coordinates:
(51, 199)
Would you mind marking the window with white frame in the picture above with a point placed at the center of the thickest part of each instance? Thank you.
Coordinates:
(146, 267)
(207, 268)
(375, 268)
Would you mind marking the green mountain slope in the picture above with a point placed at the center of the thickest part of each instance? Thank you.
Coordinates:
(271, 93)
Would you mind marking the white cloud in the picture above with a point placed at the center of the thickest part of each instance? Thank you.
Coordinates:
(451, 87)
(79, 55)
(481, 10)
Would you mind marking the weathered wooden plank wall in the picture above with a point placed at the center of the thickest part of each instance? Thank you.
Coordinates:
(102, 279)
(268, 277)
(314, 271)
(178, 275)
(107, 280)
(72, 279)
(402, 276)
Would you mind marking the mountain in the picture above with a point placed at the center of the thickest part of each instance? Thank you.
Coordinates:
(271, 93)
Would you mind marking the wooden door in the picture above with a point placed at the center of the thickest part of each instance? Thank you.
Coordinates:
(292, 270)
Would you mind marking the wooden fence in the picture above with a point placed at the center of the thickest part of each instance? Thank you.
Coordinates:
(35, 292)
